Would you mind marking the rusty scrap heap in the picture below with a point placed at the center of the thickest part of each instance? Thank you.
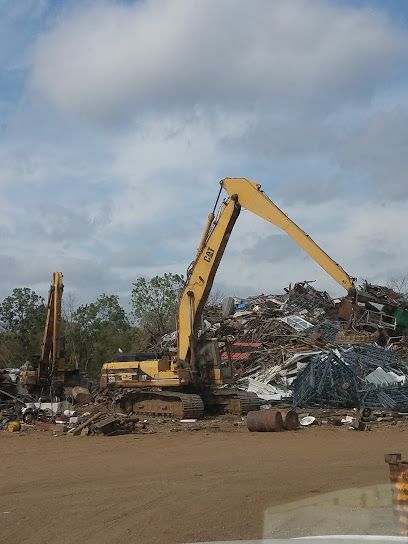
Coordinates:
(9, 398)
(295, 348)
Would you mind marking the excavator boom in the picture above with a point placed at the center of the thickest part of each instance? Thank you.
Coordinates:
(51, 345)
(246, 194)
(201, 278)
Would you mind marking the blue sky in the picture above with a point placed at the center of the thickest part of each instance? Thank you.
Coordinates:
(118, 119)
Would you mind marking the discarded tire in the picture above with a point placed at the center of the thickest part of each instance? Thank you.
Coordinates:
(290, 420)
(265, 421)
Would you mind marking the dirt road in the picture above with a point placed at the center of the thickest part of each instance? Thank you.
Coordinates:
(184, 487)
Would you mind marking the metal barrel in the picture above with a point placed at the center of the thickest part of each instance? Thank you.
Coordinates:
(290, 419)
(399, 484)
(265, 421)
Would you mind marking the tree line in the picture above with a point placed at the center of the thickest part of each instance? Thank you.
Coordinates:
(92, 332)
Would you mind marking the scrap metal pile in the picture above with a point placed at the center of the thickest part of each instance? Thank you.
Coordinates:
(84, 415)
(284, 348)
(10, 400)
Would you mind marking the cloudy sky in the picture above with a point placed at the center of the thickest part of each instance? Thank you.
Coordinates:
(118, 119)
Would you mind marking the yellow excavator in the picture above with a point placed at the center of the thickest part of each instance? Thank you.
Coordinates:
(47, 374)
(195, 378)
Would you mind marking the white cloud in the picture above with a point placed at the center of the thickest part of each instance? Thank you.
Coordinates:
(377, 149)
(300, 96)
(107, 60)
(33, 164)
(167, 166)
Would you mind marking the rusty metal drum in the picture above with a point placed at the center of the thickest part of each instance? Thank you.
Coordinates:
(265, 421)
(290, 419)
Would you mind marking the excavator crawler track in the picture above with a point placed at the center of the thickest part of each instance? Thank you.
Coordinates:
(232, 401)
(162, 403)
(249, 402)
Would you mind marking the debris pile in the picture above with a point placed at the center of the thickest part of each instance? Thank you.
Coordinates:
(360, 375)
(10, 400)
(86, 417)
(296, 348)
(326, 380)
(104, 423)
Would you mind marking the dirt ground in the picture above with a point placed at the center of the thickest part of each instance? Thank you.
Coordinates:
(195, 486)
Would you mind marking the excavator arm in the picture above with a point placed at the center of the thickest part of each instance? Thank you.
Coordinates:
(246, 194)
(253, 199)
(49, 365)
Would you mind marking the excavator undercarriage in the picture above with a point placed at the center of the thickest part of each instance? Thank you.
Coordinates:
(161, 403)
(187, 405)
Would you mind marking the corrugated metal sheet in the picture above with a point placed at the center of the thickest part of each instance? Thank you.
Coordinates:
(241, 351)
(380, 377)
(296, 322)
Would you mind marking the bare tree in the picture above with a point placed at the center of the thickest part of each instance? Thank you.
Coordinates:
(216, 297)
(399, 285)
(69, 307)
